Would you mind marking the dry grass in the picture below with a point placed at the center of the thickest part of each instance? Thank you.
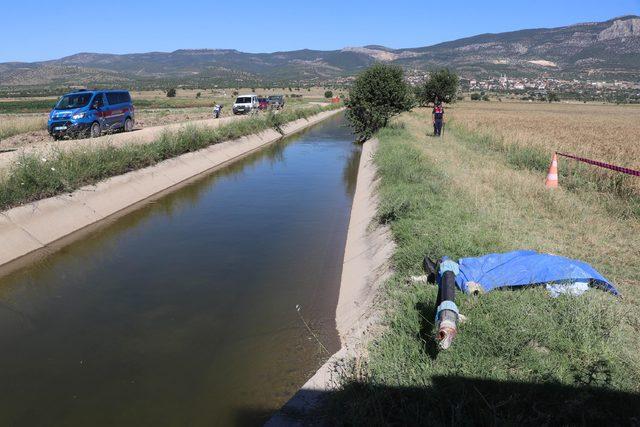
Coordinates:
(608, 133)
(14, 124)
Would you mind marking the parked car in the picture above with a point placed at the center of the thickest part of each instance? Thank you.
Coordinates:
(276, 101)
(245, 104)
(91, 113)
(263, 103)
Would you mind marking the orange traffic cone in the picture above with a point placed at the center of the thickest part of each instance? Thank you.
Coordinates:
(552, 176)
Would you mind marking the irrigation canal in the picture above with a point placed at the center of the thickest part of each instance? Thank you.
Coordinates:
(183, 312)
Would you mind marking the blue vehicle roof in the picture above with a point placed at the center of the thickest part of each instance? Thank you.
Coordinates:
(77, 92)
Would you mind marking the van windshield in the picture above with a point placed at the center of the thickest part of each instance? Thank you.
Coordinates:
(73, 101)
(243, 100)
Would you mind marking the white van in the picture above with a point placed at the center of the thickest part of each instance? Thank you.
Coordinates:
(246, 103)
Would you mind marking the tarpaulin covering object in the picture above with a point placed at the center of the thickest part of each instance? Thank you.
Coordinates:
(524, 268)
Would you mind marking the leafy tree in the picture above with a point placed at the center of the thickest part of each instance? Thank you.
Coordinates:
(171, 93)
(377, 94)
(442, 85)
(328, 94)
(553, 97)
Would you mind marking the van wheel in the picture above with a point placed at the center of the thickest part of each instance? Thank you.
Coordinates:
(128, 125)
(95, 130)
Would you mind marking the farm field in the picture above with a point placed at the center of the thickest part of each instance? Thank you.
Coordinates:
(604, 132)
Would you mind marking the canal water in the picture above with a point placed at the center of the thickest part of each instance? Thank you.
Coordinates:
(184, 311)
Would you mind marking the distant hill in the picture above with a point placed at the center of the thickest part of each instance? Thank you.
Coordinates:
(609, 49)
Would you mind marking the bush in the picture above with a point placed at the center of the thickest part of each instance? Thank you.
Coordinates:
(442, 86)
(377, 94)
(328, 94)
(485, 97)
(476, 97)
(171, 93)
(198, 95)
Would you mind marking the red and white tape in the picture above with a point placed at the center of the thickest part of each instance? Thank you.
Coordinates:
(602, 164)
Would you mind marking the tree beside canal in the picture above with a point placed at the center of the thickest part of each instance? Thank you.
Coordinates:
(378, 94)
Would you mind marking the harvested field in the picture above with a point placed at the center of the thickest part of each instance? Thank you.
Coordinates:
(606, 132)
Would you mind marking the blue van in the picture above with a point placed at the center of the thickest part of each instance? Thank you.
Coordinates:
(91, 113)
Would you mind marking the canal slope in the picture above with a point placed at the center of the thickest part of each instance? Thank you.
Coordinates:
(51, 223)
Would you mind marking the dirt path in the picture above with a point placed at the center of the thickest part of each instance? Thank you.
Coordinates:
(44, 145)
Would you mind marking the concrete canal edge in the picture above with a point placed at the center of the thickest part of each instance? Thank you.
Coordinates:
(29, 230)
(365, 267)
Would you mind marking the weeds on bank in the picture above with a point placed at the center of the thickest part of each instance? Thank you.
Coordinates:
(37, 176)
(522, 357)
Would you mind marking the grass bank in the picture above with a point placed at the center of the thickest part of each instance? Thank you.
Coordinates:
(35, 176)
(522, 357)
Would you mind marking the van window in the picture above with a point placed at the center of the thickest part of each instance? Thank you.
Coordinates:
(72, 101)
(98, 100)
(243, 100)
(112, 97)
(118, 97)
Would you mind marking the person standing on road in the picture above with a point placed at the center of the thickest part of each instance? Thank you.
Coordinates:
(438, 118)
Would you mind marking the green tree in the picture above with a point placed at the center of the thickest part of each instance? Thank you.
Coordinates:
(171, 93)
(553, 97)
(377, 94)
(328, 94)
(442, 85)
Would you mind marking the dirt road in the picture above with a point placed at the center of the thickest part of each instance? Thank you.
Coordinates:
(139, 136)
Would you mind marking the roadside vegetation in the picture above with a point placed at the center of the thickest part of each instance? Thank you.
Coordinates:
(522, 357)
(37, 176)
(15, 124)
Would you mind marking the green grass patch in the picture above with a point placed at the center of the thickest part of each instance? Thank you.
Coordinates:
(35, 176)
(521, 358)
(27, 106)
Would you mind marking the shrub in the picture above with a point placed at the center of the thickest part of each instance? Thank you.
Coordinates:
(328, 94)
(198, 95)
(171, 93)
(377, 94)
(476, 97)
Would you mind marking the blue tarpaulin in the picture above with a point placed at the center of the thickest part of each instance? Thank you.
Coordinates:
(523, 268)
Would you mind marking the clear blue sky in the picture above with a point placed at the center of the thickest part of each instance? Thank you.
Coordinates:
(40, 30)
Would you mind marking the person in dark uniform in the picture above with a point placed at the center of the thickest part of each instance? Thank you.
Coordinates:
(438, 118)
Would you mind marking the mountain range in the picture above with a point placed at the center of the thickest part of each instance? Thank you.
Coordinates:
(594, 50)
